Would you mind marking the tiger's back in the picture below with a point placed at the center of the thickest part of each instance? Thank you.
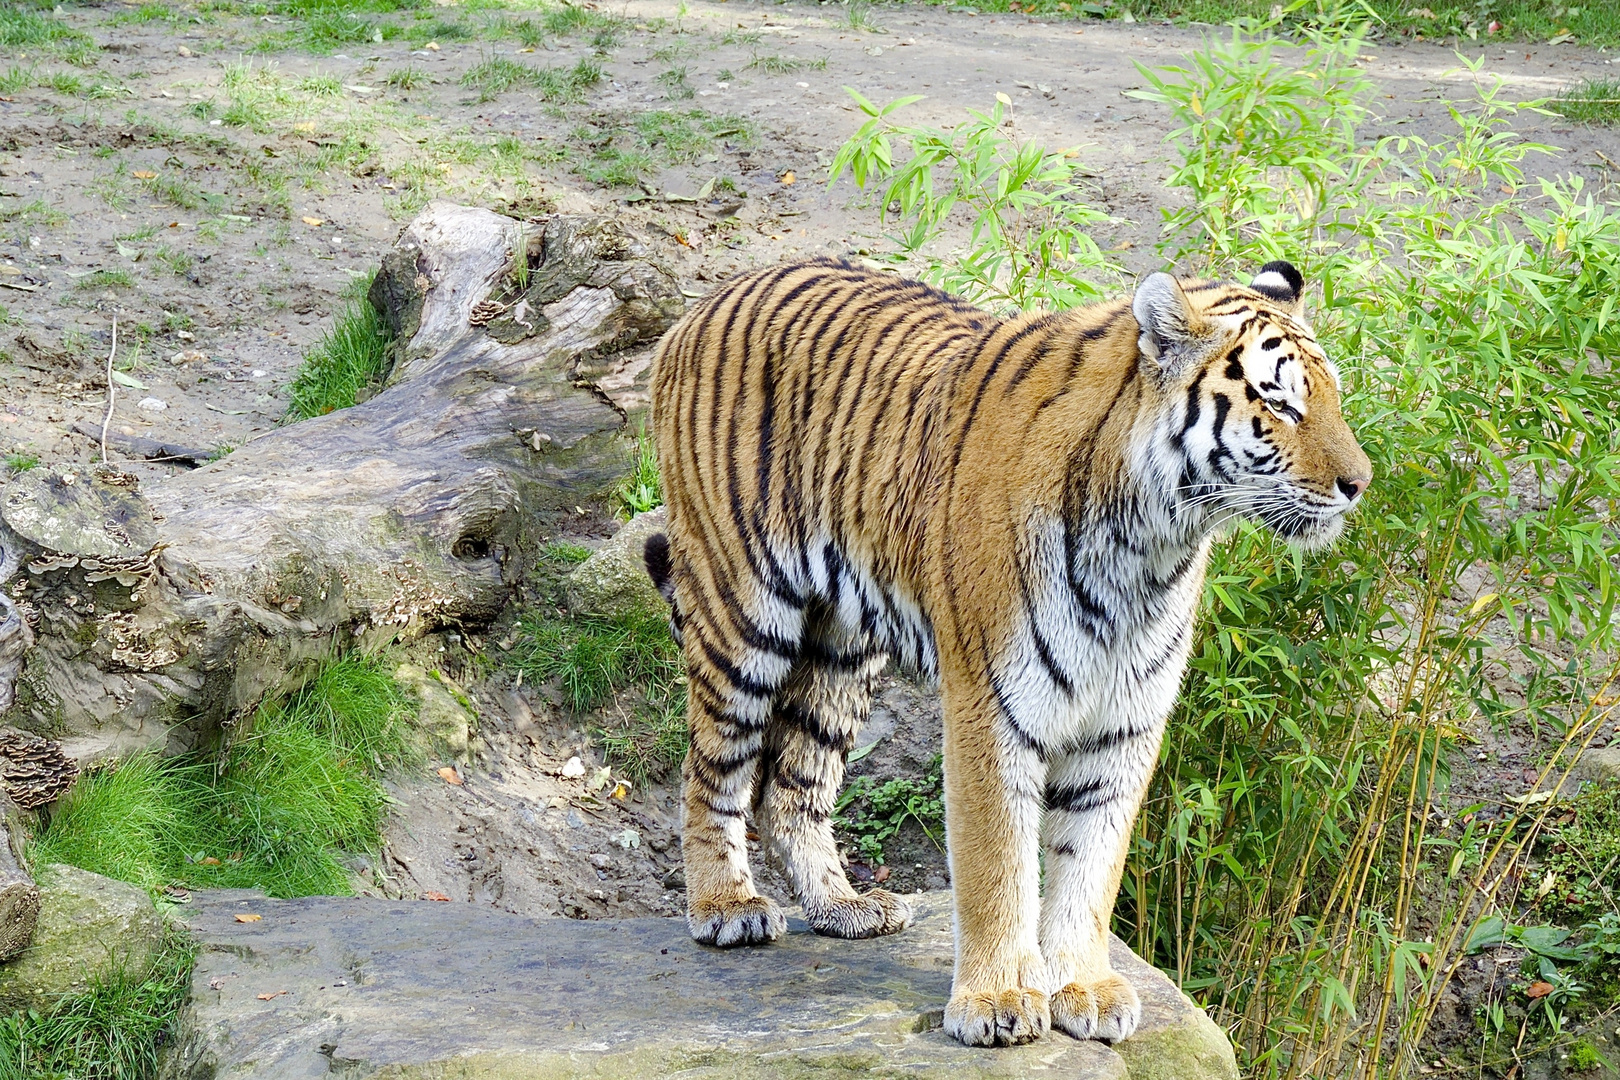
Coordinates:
(794, 414)
(858, 468)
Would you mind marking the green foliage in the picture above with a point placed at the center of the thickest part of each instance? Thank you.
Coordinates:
(1276, 864)
(106, 279)
(497, 75)
(592, 659)
(24, 27)
(1465, 21)
(20, 461)
(1028, 246)
(296, 793)
(642, 490)
(114, 1032)
(624, 150)
(871, 813)
(1591, 101)
(352, 356)
(1582, 856)
(407, 78)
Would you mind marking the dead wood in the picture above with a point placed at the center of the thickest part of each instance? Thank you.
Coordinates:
(167, 610)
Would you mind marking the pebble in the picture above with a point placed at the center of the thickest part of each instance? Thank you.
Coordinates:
(152, 404)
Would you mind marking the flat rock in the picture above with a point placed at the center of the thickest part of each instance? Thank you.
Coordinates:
(364, 987)
(91, 930)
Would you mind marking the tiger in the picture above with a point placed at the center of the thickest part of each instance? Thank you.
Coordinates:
(861, 469)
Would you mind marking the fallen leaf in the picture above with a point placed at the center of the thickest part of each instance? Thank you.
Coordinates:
(210, 860)
(1538, 989)
(881, 874)
(599, 779)
(144, 174)
(315, 221)
(246, 917)
(306, 126)
(432, 46)
(272, 997)
(439, 896)
(621, 790)
(449, 776)
(134, 384)
(788, 177)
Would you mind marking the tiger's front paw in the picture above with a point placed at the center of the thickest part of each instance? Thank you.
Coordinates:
(1107, 1009)
(727, 923)
(1004, 1018)
(876, 913)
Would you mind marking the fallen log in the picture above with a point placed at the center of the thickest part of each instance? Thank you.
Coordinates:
(165, 612)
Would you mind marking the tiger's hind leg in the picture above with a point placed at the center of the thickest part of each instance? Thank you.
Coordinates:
(813, 725)
(730, 688)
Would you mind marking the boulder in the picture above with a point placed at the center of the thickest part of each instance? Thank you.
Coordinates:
(1595, 766)
(614, 581)
(443, 724)
(368, 987)
(91, 931)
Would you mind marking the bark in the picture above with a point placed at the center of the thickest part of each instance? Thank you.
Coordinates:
(167, 611)
(19, 896)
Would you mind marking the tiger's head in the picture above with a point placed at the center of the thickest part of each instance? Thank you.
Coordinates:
(1250, 404)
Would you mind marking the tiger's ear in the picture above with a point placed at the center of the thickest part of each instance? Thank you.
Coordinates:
(1169, 328)
(1282, 283)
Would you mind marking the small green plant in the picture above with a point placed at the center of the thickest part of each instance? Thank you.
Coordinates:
(777, 64)
(641, 490)
(118, 1031)
(321, 85)
(872, 813)
(106, 279)
(23, 26)
(497, 75)
(1584, 1056)
(20, 461)
(673, 80)
(1030, 243)
(17, 79)
(859, 17)
(351, 356)
(561, 551)
(407, 78)
(1591, 101)
(1580, 856)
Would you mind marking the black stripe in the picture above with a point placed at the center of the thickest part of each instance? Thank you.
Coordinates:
(1079, 798)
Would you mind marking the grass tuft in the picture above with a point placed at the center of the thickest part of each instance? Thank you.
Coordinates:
(115, 1032)
(1593, 101)
(498, 75)
(296, 795)
(352, 356)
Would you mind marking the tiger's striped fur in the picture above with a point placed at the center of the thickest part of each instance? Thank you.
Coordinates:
(860, 468)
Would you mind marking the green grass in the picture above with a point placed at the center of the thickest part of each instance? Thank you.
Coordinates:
(642, 490)
(624, 152)
(407, 78)
(113, 1032)
(297, 793)
(1592, 101)
(498, 75)
(673, 80)
(20, 461)
(592, 659)
(1595, 23)
(22, 27)
(778, 64)
(107, 279)
(1583, 856)
(351, 356)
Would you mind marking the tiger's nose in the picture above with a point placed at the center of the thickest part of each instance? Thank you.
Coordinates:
(1353, 486)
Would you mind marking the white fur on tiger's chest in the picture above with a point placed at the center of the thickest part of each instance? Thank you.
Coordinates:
(1103, 642)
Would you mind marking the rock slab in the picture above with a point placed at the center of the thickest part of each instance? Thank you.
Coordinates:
(91, 931)
(375, 988)
(613, 582)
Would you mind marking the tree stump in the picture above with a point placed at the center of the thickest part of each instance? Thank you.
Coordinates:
(165, 611)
